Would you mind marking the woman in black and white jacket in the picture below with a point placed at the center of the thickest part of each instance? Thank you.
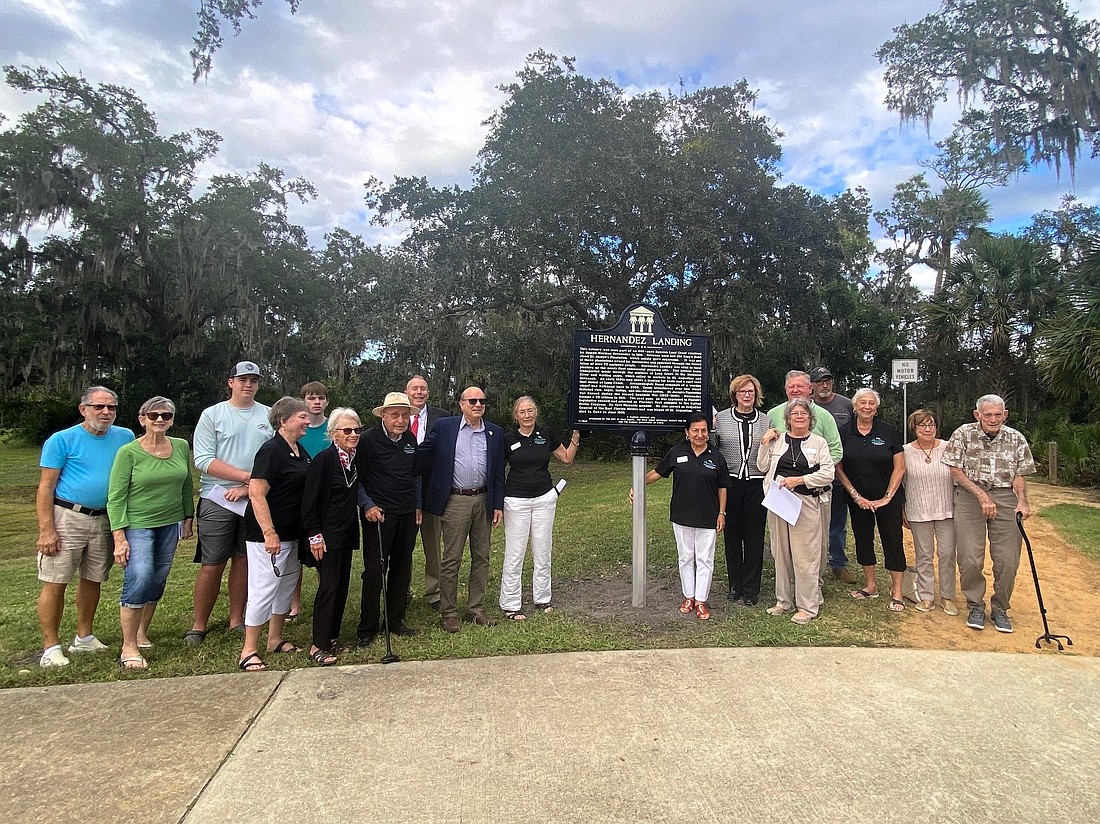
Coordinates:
(738, 431)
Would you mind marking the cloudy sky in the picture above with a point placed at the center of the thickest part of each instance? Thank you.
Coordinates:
(347, 89)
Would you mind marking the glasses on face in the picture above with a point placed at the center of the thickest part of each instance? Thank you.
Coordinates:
(746, 392)
(926, 425)
(99, 407)
(160, 416)
(351, 430)
(476, 401)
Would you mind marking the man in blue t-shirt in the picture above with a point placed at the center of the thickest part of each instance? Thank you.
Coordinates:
(74, 533)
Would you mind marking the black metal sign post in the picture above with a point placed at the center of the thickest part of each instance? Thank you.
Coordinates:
(637, 379)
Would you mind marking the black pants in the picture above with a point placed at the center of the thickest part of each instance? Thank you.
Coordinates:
(333, 580)
(744, 536)
(398, 540)
(888, 519)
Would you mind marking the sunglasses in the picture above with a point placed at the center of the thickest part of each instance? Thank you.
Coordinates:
(160, 416)
(99, 407)
(274, 568)
(476, 401)
(351, 430)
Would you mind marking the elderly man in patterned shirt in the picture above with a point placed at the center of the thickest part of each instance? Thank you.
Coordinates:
(988, 463)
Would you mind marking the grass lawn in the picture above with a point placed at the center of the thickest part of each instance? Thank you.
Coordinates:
(591, 588)
(1080, 525)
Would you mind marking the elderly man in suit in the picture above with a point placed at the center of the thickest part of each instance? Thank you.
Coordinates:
(421, 422)
(466, 491)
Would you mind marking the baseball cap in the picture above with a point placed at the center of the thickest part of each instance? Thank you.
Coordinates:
(245, 367)
(819, 373)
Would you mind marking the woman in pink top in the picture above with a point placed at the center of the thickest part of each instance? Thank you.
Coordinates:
(929, 511)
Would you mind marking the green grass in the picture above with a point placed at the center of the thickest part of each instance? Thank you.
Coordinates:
(1079, 525)
(591, 558)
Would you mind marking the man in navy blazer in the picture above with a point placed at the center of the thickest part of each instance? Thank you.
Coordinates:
(466, 490)
(421, 423)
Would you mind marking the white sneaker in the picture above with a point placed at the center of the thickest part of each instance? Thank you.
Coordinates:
(91, 645)
(53, 657)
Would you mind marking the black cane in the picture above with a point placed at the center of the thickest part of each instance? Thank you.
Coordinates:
(389, 657)
(1047, 636)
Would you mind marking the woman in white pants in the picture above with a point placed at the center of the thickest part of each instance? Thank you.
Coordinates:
(697, 509)
(530, 501)
(272, 530)
(799, 461)
(930, 511)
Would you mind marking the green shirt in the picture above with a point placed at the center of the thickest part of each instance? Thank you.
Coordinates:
(146, 491)
(824, 425)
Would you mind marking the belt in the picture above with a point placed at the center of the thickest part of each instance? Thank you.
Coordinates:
(456, 491)
(83, 510)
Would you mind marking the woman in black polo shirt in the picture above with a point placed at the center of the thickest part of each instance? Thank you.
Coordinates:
(697, 509)
(530, 502)
(272, 530)
(871, 472)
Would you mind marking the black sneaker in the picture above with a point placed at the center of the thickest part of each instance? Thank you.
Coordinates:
(975, 619)
(403, 630)
(749, 601)
(365, 640)
(735, 595)
(1000, 620)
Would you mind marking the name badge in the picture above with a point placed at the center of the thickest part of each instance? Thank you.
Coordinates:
(515, 446)
(682, 459)
(810, 452)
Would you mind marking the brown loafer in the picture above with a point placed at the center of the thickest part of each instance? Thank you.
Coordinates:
(481, 619)
(451, 624)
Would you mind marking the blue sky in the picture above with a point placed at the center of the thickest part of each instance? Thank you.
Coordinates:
(348, 89)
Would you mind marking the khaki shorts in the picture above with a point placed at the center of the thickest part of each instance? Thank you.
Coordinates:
(86, 545)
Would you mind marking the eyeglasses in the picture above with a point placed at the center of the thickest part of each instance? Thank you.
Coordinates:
(924, 424)
(274, 568)
(746, 392)
(351, 430)
(476, 401)
(160, 416)
(99, 407)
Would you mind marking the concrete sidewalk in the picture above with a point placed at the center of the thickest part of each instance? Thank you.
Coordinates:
(769, 735)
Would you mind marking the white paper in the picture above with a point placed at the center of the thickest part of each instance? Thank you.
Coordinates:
(217, 495)
(559, 487)
(783, 503)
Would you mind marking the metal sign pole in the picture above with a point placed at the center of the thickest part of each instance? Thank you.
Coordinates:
(638, 449)
(904, 404)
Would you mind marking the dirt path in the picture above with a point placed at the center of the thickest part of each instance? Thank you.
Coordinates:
(1071, 591)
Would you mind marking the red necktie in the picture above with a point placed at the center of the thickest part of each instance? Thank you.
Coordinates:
(415, 424)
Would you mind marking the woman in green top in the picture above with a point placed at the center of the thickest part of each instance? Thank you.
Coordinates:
(151, 506)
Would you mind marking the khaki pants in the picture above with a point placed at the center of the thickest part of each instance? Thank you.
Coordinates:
(431, 537)
(466, 516)
(971, 532)
(797, 553)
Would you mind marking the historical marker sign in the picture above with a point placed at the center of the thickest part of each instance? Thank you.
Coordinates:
(638, 375)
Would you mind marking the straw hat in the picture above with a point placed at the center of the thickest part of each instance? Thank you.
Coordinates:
(393, 399)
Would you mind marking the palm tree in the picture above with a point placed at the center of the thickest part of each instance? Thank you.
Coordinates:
(1070, 354)
(997, 291)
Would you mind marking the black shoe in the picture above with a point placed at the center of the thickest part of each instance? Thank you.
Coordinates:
(735, 595)
(365, 640)
(403, 630)
(749, 601)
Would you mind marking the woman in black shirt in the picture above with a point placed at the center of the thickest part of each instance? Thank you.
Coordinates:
(330, 519)
(530, 502)
(697, 509)
(272, 530)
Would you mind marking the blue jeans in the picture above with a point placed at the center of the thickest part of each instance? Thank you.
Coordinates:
(151, 552)
(837, 537)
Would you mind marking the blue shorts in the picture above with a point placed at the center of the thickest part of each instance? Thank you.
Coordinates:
(151, 552)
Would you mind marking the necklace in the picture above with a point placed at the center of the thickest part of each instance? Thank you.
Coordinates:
(251, 412)
(349, 480)
(158, 453)
(927, 452)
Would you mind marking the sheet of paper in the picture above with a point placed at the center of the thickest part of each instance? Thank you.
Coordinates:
(783, 503)
(217, 495)
(559, 487)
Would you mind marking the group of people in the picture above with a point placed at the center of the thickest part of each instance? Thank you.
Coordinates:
(284, 487)
(841, 462)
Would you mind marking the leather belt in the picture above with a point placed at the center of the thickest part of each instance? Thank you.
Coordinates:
(456, 491)
(83, 510)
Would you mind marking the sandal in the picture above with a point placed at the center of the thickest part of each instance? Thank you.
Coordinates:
(323, 658)
(862, 594)
(292, 617)
(252, 663)
(896, 605)
(284, 648)
(687, 606)
(702, 611)
(547, 607)
(515, 615)
(133, 662)
(194, 637)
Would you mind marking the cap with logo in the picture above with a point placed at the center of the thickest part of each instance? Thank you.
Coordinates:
(245, 367)
(819, 373)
